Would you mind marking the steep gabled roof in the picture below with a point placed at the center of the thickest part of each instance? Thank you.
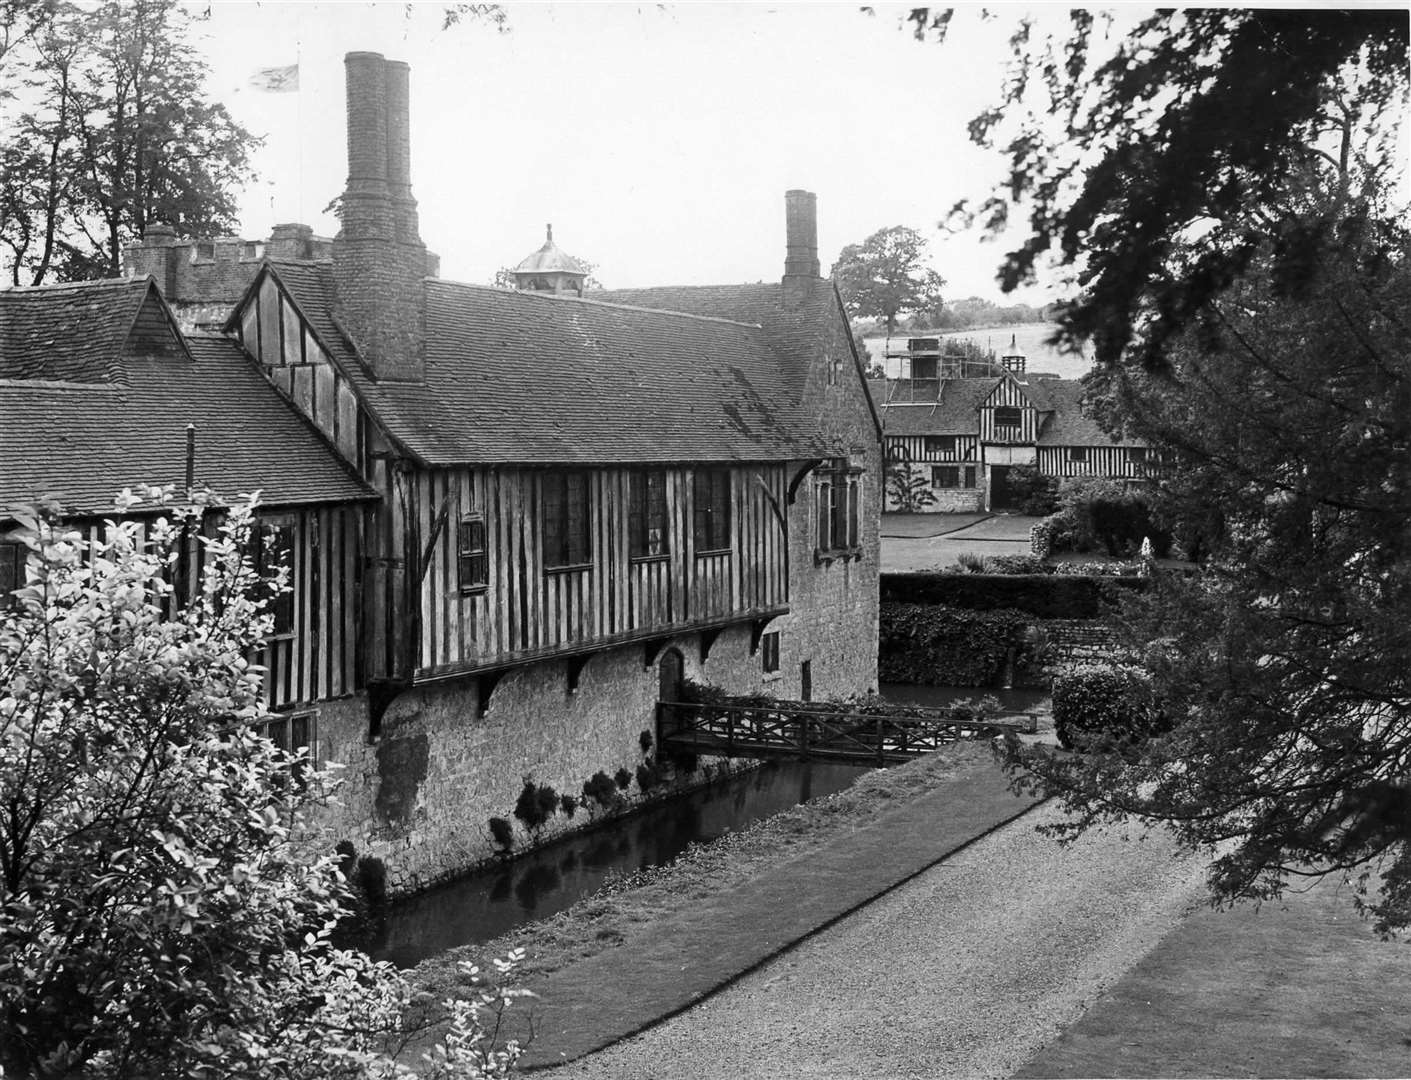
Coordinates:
(80, 332)
(1068, 426)
(82, 443)
(537, 379)
(951, 408)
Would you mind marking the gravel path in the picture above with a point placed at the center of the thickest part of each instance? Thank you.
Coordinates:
(964, 972)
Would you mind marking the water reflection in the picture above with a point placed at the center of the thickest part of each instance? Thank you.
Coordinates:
(485, 905)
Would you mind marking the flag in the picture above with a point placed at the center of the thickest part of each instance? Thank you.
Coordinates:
(276, 80)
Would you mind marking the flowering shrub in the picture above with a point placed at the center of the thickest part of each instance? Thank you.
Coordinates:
(165, 908)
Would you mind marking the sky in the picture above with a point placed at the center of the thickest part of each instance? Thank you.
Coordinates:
(657, 139)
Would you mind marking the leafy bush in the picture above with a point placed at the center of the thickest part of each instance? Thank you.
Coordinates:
(1016, 564)
(1036, 493)
(568, 804)
(970, 563)
(535, 805)
(502, 832)
(623, 778)
(648, 776)
(644, 740)
(1096, 511)
(932, 645)
(1103, 707)
(600, 788)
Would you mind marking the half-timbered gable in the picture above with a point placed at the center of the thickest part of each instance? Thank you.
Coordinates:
(102, 393)
(965, 434)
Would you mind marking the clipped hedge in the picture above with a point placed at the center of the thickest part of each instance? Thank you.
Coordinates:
(1041, 596)
(932, 645)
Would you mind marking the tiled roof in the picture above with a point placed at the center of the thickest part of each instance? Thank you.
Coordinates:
(68, 333)
(537, 379)
(1067, 426)
(81, 444)
(935, 407)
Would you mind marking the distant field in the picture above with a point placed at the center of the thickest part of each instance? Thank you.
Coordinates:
(1029, 337)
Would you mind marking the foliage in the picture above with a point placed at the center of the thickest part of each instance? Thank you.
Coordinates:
(1102, 707)
(970, 563)
(1040, 596)
(536, 804)
(112, 132)
(600, 789)
(623, 777)
(1016, 564)
(568, 804)
(648, 776)
(908, 488)
(933, 645)
(1246, 285)
(1036, 492)
(165, 907)
(502, 832)
(644, 740)
(886, 275)
(1286, 662)
(1159, 167)
(1095, 510)
(976, 313)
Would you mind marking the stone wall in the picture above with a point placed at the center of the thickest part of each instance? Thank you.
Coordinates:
(421, 797)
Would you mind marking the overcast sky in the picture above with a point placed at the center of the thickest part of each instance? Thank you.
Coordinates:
(658, 140)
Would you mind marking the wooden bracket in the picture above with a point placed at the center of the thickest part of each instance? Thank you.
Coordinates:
(651, 650)
(757, 632)
(808, 467)
(708, 638)
(484, 688)
(576, 664)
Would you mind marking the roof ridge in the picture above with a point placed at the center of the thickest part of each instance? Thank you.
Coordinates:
(77, 286)
(553, 297)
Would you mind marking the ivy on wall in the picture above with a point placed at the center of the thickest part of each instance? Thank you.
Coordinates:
(935, 645)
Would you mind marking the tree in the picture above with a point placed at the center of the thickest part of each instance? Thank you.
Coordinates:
(885, 276)
(1186, 131)
(165, 908)
(1220, 186)
(112, 132)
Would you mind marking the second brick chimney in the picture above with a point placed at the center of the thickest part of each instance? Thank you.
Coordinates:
(801, 257)
(379, 261)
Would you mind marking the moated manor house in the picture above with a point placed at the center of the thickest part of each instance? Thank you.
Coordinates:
(516, 519)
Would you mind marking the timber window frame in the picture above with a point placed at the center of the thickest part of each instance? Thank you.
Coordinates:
(291, 732)
(940, 444)
(275, 538)
(953, 477)
(712, 490)
(1009, 416)
(769, 652)
(472, 563)
(839, 511)
(13, 559)
(1077, 453)
(648, 516)
(566, 518)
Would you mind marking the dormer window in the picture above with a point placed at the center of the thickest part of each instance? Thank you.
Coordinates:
(204, 251)
(1008, 416)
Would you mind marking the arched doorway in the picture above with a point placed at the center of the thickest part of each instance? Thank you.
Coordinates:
(671, 673)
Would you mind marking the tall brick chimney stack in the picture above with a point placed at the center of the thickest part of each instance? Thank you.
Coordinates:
(801, 258)
(379, 261)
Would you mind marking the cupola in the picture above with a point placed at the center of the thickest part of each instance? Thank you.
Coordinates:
(1014, 361)
(550, 270)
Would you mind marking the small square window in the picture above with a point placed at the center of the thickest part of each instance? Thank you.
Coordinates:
(1077, 453)
(940, 444)
(1138, 454)
(769, 651)
(1008, 416)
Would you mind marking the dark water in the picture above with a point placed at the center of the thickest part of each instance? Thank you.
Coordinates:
(485, 905)
(1019, 701)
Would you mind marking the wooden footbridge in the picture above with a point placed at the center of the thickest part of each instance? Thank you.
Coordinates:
(809, 730)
